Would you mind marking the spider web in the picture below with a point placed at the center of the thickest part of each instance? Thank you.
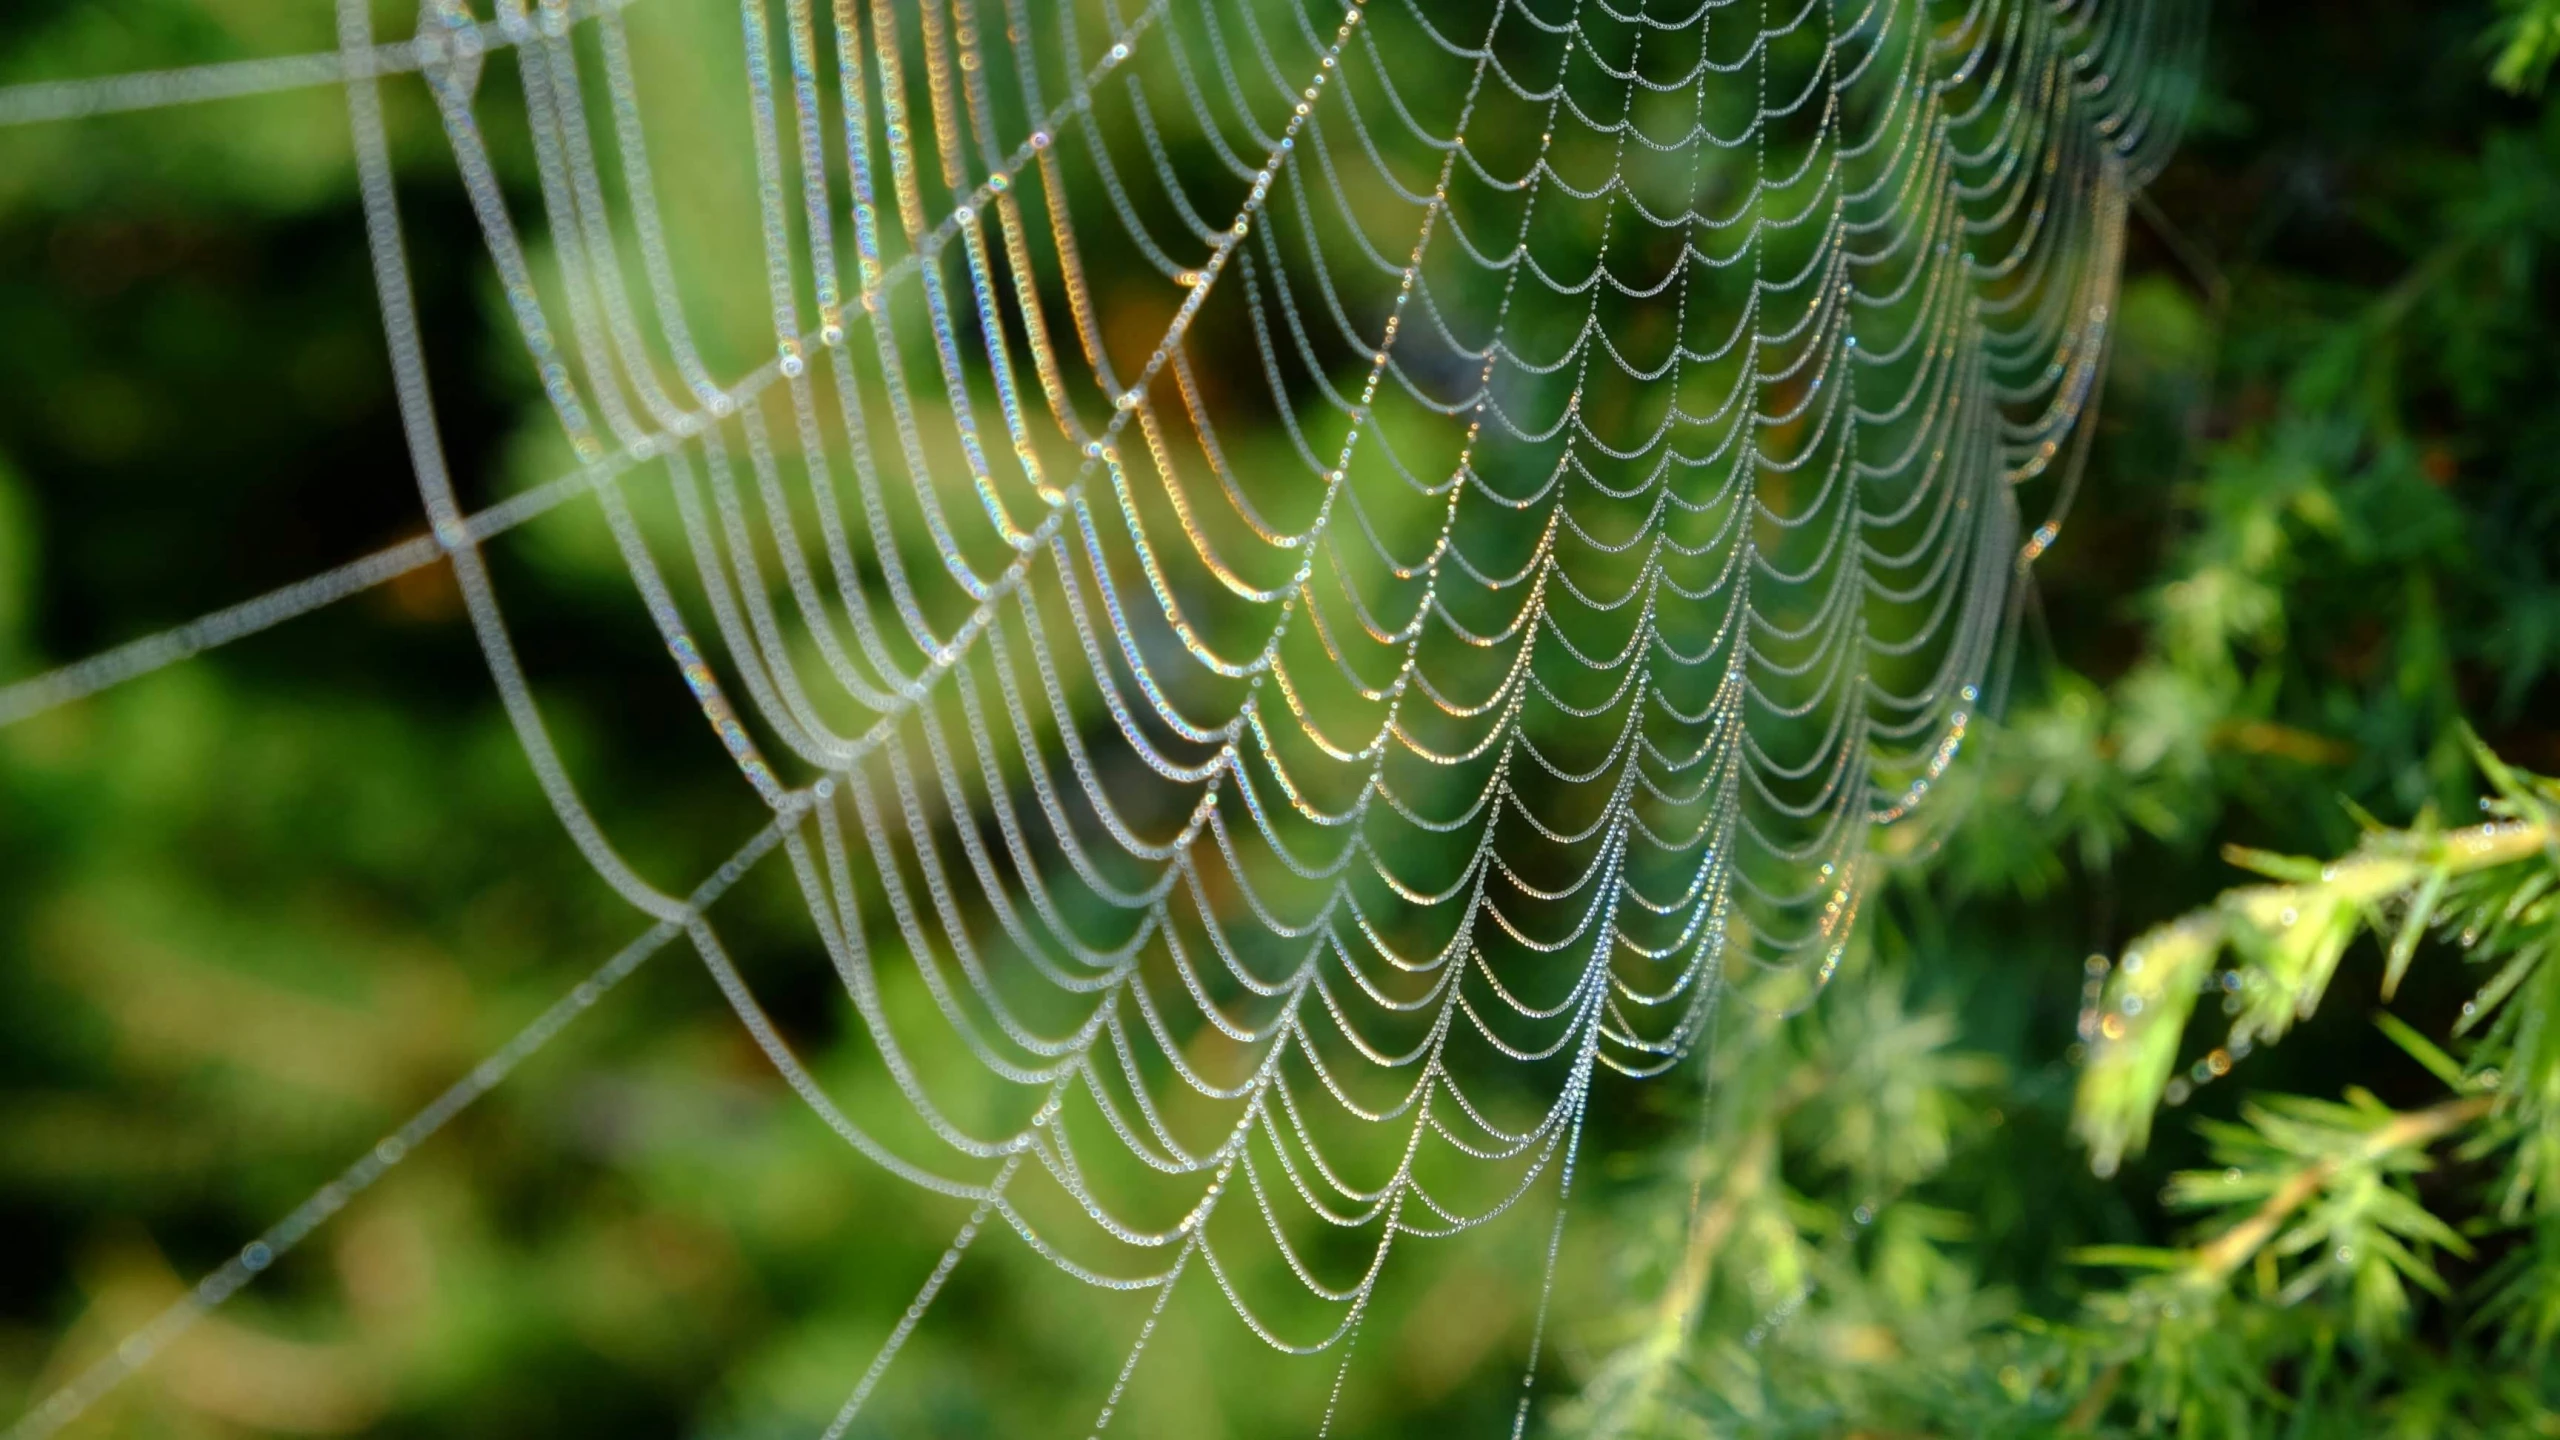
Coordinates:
(1315, 577)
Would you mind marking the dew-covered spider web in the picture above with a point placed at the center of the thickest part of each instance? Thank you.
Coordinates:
(1316, 577)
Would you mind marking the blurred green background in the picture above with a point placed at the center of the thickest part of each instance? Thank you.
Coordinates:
(257, 908)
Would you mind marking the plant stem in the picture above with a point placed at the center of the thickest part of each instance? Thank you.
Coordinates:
(2217, 1258)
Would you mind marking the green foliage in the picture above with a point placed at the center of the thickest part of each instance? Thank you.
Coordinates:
(2331, 1272)
(2332, 1209)
(1799, 1186)
(2528, 41)
(2286, 1168)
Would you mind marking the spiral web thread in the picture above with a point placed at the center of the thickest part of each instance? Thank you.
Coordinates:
(1560, 494)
